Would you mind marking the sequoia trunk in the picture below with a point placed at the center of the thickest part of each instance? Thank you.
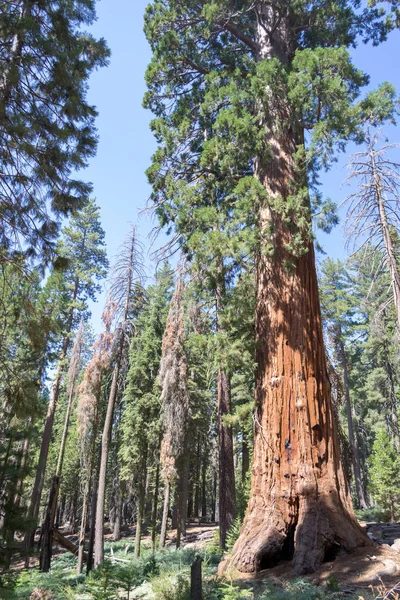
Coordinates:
(300, 506)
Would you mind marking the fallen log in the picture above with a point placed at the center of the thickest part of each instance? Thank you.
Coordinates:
(123, 560)
(67, 544)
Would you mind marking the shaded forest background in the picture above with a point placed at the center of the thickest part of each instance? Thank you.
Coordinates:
(151, 422)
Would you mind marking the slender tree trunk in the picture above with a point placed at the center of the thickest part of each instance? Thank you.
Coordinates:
(184, 494)
(214, 499)
(245, 459)
(139, 516)
(105, 446)
(48, 525)
(90, 478)
(197, 482)
(92, 531)
(154, 509)
(164, 522)
(225, 436)
(46, 541)
(182, 497)
(36, 496)
(106, 436)
(204, 490)
(20, 483)
(392, 512)
(393, 400)
(118, 516)
(5, 463)
(300, 506)
(226, 467)
(82, 530)
(353, 444)
(37, 489)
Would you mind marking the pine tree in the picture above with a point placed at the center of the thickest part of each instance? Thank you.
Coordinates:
(233, 88)
(125, 279)
(384, 474)
(82, 247)
(375, 381)
(29, 329)
(89, 395)
(46, 546)
(338, 313)
(140, 445)
(47, 127)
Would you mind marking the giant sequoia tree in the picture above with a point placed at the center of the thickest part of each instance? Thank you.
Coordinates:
(234, 86)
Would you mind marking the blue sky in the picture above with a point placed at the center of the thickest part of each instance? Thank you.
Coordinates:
(126, 142)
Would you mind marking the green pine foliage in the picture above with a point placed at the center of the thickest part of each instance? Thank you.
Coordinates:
(47, 128)
(384, 472)
(140, 429)
(214, 97)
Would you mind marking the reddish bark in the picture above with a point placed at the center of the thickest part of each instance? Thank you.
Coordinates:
(300, 507)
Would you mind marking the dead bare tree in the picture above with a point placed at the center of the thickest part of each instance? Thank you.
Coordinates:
(127, 273)
(89, 393)
(174, 400)
(373, 210)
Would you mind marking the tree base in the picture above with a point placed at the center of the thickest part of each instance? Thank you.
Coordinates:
(318, 531)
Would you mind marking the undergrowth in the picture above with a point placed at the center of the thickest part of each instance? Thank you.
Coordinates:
(164, 576)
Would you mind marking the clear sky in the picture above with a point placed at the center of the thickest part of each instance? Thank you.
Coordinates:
(126, 142)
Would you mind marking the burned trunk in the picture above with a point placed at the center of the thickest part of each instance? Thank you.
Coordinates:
(92, 530)
(164, 522)
(154, 510)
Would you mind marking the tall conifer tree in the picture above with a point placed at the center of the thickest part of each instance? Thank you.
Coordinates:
(338, 313)
(126, 278)
(140, 446)
(82, 248)
(234, 86)
(47, 129)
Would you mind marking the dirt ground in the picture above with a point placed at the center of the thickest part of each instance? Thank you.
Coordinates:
(355, 572)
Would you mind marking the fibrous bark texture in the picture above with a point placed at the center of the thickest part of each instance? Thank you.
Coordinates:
(300, 507)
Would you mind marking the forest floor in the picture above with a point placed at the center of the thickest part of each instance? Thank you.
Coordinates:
(366, 574)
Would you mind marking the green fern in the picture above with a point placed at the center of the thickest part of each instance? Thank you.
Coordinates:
(233, 533)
